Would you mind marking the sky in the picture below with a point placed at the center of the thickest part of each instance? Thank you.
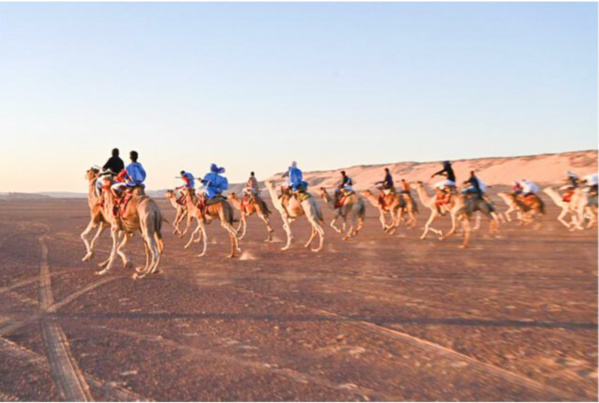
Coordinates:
(255, 86)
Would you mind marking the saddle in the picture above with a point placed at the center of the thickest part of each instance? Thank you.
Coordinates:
(443, 198)
(340, 198)
(567, 196)
(120, 205)
(385, 192)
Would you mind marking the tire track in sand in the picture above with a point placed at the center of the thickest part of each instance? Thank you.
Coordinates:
(425, 345)
(116, 393)
(69, 379)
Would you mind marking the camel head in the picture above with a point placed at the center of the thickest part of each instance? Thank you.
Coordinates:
(367, 193)
(269, 183)
(324, 194)
(232, 196)
(169, 194)
(91, 174)
(417, 184)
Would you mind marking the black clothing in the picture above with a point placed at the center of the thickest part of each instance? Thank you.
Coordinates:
(345, 180)
(388, 182)
(448, 171)
(115, 164)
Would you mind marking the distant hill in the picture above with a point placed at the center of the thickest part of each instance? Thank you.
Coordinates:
(544, 169)
(25, 196)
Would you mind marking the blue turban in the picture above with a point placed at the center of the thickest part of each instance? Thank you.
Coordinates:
(215, 169)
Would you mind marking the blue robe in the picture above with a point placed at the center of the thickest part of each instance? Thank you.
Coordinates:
(215, 184)
(136, 174)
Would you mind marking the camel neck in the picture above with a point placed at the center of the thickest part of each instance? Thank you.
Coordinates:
(424, 197)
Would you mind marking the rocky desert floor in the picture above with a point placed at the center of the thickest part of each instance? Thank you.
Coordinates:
(378, 317)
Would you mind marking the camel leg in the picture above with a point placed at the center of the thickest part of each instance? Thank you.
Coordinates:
(193, 234)
(242, 225)
(333, 223)
(121, 251)
(561, 216)
(204, 239)
(320, 232)
(453, 229)
(428, 223)
(466, 227)
(312, 235)
(382, 219)
(269, 229)
(115, 233)
(89, 246)
(187, 226)
(233, 236)
(287, 228)
(477, 222)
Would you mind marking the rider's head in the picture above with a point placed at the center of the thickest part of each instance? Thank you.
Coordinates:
(252, 173)
(182, 172)
(115, 152)
(387, 170)
(133, 155)
(294, 164)
(343, 173)
(446, 164)
(471, 173)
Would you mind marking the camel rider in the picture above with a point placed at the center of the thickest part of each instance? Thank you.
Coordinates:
(113, 166)
(114, 163)
(214, 182)
(131, 178)
(475, 186)
(188, 185)
(252, 189)
(404, 187)
(529, 188)
(517, 188)
(570, 186)
(386, 183)
(386, 187)
(346, 183)
(449, 183)
(296, 179)
(591, 182)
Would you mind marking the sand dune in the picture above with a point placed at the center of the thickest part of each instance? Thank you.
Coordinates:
(544, 169)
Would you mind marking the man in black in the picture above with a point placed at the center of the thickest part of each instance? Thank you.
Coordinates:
(447, 171)
(388, 181)
(115, 163)
(474, 186)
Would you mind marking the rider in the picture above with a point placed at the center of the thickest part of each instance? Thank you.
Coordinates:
(591, 181)
(528, 188)
(113, 166)
(475, 186)
(188, 185)
(114, 163)
(386, 183)
(296, 179)
(404, 187)
(344, 188)
(517, 188)
(214, 182)
(386, 186)
(449, 183)
(570, 187)
(251, 189)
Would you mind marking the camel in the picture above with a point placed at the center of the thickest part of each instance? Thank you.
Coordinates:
(460, 210)
(258, 206)
(391, 207)
(291, 209)
(578, 207)
(181, 210)
(528, 212)
(97, 214)
(139, 214)
(512, 206)
(353, 206)
(204, 214)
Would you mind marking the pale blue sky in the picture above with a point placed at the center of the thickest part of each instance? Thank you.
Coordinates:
(255, 86)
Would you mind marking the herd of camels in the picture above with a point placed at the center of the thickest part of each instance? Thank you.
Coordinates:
(142, 215)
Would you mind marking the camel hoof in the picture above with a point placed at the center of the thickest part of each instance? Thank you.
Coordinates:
(139, 269)
(101, 272)
(87, 257)
(316, 250)
(137, 276)
(462, 246)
